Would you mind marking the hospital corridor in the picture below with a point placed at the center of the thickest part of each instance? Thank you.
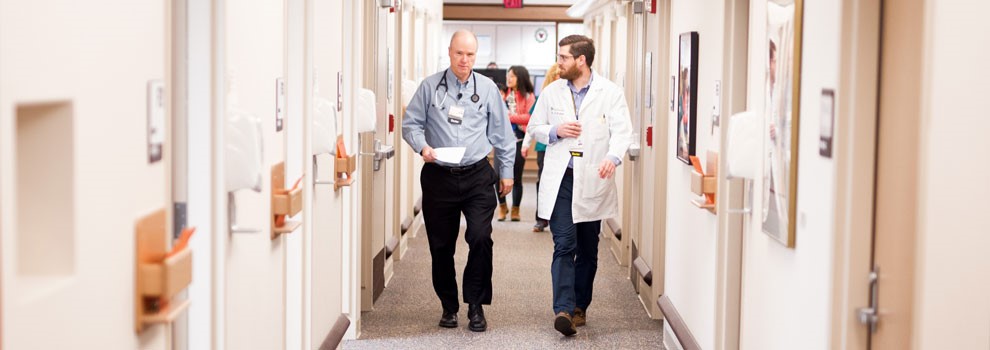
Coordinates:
(494, 174)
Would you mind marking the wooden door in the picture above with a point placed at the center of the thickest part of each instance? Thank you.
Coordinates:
(896, 202)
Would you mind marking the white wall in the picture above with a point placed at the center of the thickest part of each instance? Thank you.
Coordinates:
(786, 292)
(255, 263)
(101, 62)
(565, 29)
(512, 43)
(690, 247)
(952, 311)
(200, 174)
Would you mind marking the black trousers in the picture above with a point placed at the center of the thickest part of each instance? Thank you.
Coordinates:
(517, 170)
(447, 193)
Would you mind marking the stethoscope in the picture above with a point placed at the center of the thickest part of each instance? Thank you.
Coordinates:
(443, 82)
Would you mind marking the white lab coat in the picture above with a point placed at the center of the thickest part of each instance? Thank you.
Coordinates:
(605, 130)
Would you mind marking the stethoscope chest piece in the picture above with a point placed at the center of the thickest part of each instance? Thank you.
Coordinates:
(475, 98)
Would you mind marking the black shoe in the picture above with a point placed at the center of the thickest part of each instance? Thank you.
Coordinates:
(476, 318)
(448, 320)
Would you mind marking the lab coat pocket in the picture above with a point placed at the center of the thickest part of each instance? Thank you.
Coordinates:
(594, 187)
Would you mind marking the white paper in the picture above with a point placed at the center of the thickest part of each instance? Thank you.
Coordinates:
(450, 155)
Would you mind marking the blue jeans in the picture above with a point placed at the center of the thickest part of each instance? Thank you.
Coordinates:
(575, 253)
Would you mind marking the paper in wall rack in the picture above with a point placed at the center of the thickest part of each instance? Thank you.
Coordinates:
(705, 184)
(286, 202)
(344, 166)
(160, 273)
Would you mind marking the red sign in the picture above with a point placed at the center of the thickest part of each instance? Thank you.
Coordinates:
(512, 4)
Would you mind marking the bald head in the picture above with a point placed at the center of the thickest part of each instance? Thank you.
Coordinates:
(465, 37)
(463, 49)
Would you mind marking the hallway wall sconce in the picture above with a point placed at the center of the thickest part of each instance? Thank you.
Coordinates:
(286, 202)
(344, 166)
(160, 273)
(705, 184)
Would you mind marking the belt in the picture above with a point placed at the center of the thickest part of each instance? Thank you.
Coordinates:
(458, 170)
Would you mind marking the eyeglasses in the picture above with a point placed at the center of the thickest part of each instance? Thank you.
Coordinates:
(563, 57)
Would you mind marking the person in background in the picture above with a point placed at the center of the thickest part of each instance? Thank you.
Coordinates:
(459, 108)
(519, 99)
(492, 65)
(584, 120)
(541, 148)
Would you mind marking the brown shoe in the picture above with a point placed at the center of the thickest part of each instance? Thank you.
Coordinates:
(579, 317)
(515, 214)
(563, 324)
(502, 211)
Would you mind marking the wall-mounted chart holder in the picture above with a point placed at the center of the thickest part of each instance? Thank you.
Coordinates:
(160, 273)
(324, 130)
(705, 184)
(744, 146)
(243, 150)
(344, 166)
(286, 202)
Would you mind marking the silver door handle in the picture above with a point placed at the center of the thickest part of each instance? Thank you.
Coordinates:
(382, 152)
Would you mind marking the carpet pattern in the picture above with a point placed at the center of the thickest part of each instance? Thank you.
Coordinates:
(521, 314)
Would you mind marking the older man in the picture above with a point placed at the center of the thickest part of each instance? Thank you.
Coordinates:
(458, 108)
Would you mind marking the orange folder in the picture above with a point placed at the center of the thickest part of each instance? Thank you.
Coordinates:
(183, 241)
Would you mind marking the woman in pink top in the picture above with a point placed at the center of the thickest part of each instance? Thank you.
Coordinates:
(519, 99)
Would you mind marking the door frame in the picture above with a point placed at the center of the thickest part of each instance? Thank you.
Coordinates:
(731, 226)
(855, 162)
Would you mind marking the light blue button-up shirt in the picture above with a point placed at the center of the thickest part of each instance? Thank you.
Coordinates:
(578, 99)
(485, 123)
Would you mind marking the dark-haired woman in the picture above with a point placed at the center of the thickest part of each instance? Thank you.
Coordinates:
(519, 99)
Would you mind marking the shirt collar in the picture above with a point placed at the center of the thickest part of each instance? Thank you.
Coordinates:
(584, 90)
(453, 78)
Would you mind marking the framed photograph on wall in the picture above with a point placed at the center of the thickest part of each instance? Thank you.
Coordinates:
(687, 96)
(781, 115)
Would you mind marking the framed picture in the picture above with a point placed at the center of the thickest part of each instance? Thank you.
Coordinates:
(687, 96)
(781, 115)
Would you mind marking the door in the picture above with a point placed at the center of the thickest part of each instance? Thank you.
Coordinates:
(896, 185)
(327, 243)
(83, 147)
(376, 153)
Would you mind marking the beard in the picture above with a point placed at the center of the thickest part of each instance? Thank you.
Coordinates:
(570, 73)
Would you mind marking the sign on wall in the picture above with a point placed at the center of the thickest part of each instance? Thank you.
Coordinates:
(156, 119)
(512, 4)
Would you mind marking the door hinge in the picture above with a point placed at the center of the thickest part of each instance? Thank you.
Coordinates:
(869, 315)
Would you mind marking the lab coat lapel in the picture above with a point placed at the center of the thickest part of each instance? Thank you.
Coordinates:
(593, 92)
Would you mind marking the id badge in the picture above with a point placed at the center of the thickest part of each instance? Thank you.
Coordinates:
(455, 115)
(577, 149)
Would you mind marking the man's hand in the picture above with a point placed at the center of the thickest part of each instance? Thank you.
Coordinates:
(506, 187)
(429, 155)
(524, 152)
(607, 169)
(569, 129)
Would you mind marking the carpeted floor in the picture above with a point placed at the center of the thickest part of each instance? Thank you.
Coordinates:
(521, 315)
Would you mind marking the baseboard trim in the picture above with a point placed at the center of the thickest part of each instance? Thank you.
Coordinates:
(390, 246)
(378, 275)
(336, 334)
